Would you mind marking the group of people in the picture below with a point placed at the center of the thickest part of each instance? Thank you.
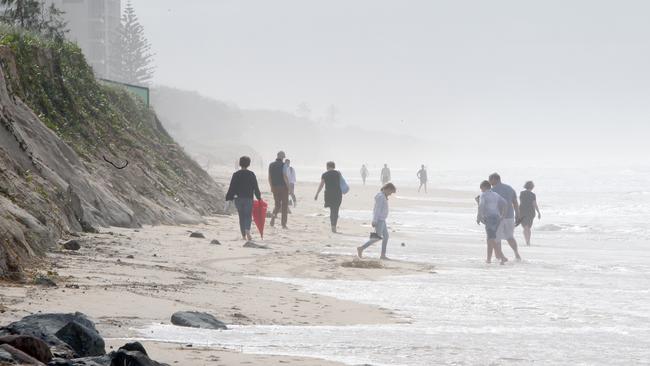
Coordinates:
(282, 179)
(500, 212)
(499, 209)
(386, 177)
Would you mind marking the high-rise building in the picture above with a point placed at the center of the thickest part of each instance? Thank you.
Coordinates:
(93, 24)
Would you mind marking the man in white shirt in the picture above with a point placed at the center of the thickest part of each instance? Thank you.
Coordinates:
(379, 216)
(491, 210)
(291, 176)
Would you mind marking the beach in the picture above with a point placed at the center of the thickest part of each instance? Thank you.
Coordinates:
(128, 279)
(578, 296)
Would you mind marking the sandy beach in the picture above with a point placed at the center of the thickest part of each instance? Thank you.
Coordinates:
(126, 279)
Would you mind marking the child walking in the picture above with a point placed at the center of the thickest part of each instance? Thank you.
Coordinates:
(379, 216)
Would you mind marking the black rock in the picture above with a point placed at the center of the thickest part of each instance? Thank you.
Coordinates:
(32, 346)
(134, 346)
(45, 327)
(197, 234)
(215, 242)
(195, 319)
(132, 358)
(72, 245)
(84, 341)
(250, 244)
(44, 281)
(129, 256)
(12, 356)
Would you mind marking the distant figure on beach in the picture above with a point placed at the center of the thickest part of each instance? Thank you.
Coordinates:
(279, 183)
(331, 180)
(506, 229)
(243, 185)
(422, 176)
(379, 216)
(527, 209)
(385, 174)
(364, 173)
(491, 210)
(291, 176)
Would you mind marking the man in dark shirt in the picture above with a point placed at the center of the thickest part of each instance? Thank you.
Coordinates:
(279, 183)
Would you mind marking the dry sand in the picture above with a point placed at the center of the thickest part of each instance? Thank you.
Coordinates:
(126, 279)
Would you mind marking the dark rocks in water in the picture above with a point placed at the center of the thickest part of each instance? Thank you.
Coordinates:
(44, 281)
(72, 245)
(195, 319)
(250, 244)
(134, 346)
(215, 242)
(13, 356)
(129, 256)
(83, 340)
(46, 326)
(32, 346)
(197, 234)
(403, 244)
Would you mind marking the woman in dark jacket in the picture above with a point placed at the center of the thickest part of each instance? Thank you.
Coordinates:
(243, 186)
(331, 179)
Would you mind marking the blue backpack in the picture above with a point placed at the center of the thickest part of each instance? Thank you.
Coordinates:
(345, 188)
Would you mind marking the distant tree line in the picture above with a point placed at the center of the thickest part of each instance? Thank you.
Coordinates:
(33, 16)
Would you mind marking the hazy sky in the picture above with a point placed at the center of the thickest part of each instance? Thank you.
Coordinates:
(561, 70)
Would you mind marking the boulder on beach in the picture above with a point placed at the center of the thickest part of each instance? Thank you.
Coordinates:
(131, 354)
(84, 341)
(46, 327)
(34, 347)
(72, 245)
(197, 234)
(13, 356)
(215, 242)
(195, 319)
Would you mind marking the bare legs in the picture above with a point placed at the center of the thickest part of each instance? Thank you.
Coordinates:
(527, 234)
(492, 245)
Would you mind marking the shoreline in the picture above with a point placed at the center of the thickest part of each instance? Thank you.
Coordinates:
(126, 279)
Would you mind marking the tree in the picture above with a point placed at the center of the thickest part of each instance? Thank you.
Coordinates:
(132, 57)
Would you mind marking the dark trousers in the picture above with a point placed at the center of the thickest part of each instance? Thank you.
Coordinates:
(334, 214)
(245, 210)
(281, 198)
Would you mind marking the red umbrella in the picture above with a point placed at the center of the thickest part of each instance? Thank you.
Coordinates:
(259, 215)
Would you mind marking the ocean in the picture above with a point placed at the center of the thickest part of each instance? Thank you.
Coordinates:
(580, 296)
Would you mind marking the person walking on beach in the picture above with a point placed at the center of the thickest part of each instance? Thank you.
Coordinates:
(280, 187)
(385, 174)
(422, 176)
(379, 216)
(491, 210)
(527, 208)
(331, 180)
(291, 177)
(364, 173)
(506, 230)
(243, 185)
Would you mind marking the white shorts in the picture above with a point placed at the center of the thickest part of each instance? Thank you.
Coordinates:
(506, 229)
